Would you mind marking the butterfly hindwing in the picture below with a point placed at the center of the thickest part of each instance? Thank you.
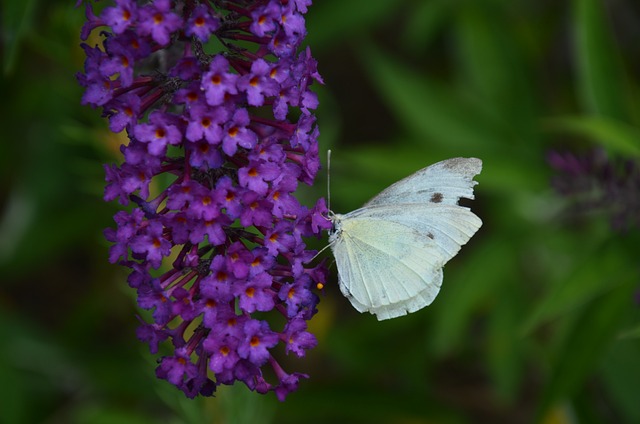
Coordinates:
(390, 259)
(375, 279)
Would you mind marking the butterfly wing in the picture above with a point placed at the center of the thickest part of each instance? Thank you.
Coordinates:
(390, 257)
(444, 183)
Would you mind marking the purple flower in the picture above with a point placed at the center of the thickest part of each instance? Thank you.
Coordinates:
(157, 19)
(121, 16)
(297, 338)
(98, 87)
(120, 61)
(237, 133)
(264, 19)
(180, 371)
(239, 260)
(219, 284)
(128, 225)
(224, 138)
(203, 155)
(124, 112)
(224, 355)
(218, 82)
(150, 243)
(213, 229)
(288, 95)
(296, 297)
(158, 133)
(258, 83)
(229, 197)
(256, 294)
(202, 23)
(302, 5)
(257, 211)
(279, 238)
(287, 382)
(152, 335)
(205, 123)
(292, 22)
(256, 176)
(595, 182)
(258, 339)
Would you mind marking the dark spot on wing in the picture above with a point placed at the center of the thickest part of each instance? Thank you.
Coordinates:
(436, 198)
(430, 236)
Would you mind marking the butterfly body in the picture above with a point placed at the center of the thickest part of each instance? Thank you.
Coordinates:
(390, 253)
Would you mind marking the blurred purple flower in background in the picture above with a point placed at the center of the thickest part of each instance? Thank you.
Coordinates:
(215, 100)
(596, 183)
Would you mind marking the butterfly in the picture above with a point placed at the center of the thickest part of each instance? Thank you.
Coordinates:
(390, 252)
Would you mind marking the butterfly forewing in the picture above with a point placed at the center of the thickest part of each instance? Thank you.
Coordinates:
(443, 182)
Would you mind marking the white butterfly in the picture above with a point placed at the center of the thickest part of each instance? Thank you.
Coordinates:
(391, 251)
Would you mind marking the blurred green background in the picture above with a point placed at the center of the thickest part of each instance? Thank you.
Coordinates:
(536, 320)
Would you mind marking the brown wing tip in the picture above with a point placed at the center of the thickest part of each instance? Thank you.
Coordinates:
(471, 166)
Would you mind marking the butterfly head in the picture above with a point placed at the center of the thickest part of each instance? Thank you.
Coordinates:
(336, 226)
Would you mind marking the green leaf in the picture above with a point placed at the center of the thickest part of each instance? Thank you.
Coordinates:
(593, 330)
(613, 134)
(467, 288)
(334, 21)
(442, 120)
(597, 272)
(491, 67)
(602, 82)
(106, 414)
(633, 333)
(620, 376)
(512, 174)
(366, 401)
(17, 21)
(425, 20)
(431, 109)
(504, 346)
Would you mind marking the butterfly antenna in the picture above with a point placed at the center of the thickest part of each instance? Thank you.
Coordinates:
(318, 254)
(329, 179)
(328, 203)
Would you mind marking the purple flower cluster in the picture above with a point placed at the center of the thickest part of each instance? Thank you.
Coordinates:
(596, 183)
(215, 99)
